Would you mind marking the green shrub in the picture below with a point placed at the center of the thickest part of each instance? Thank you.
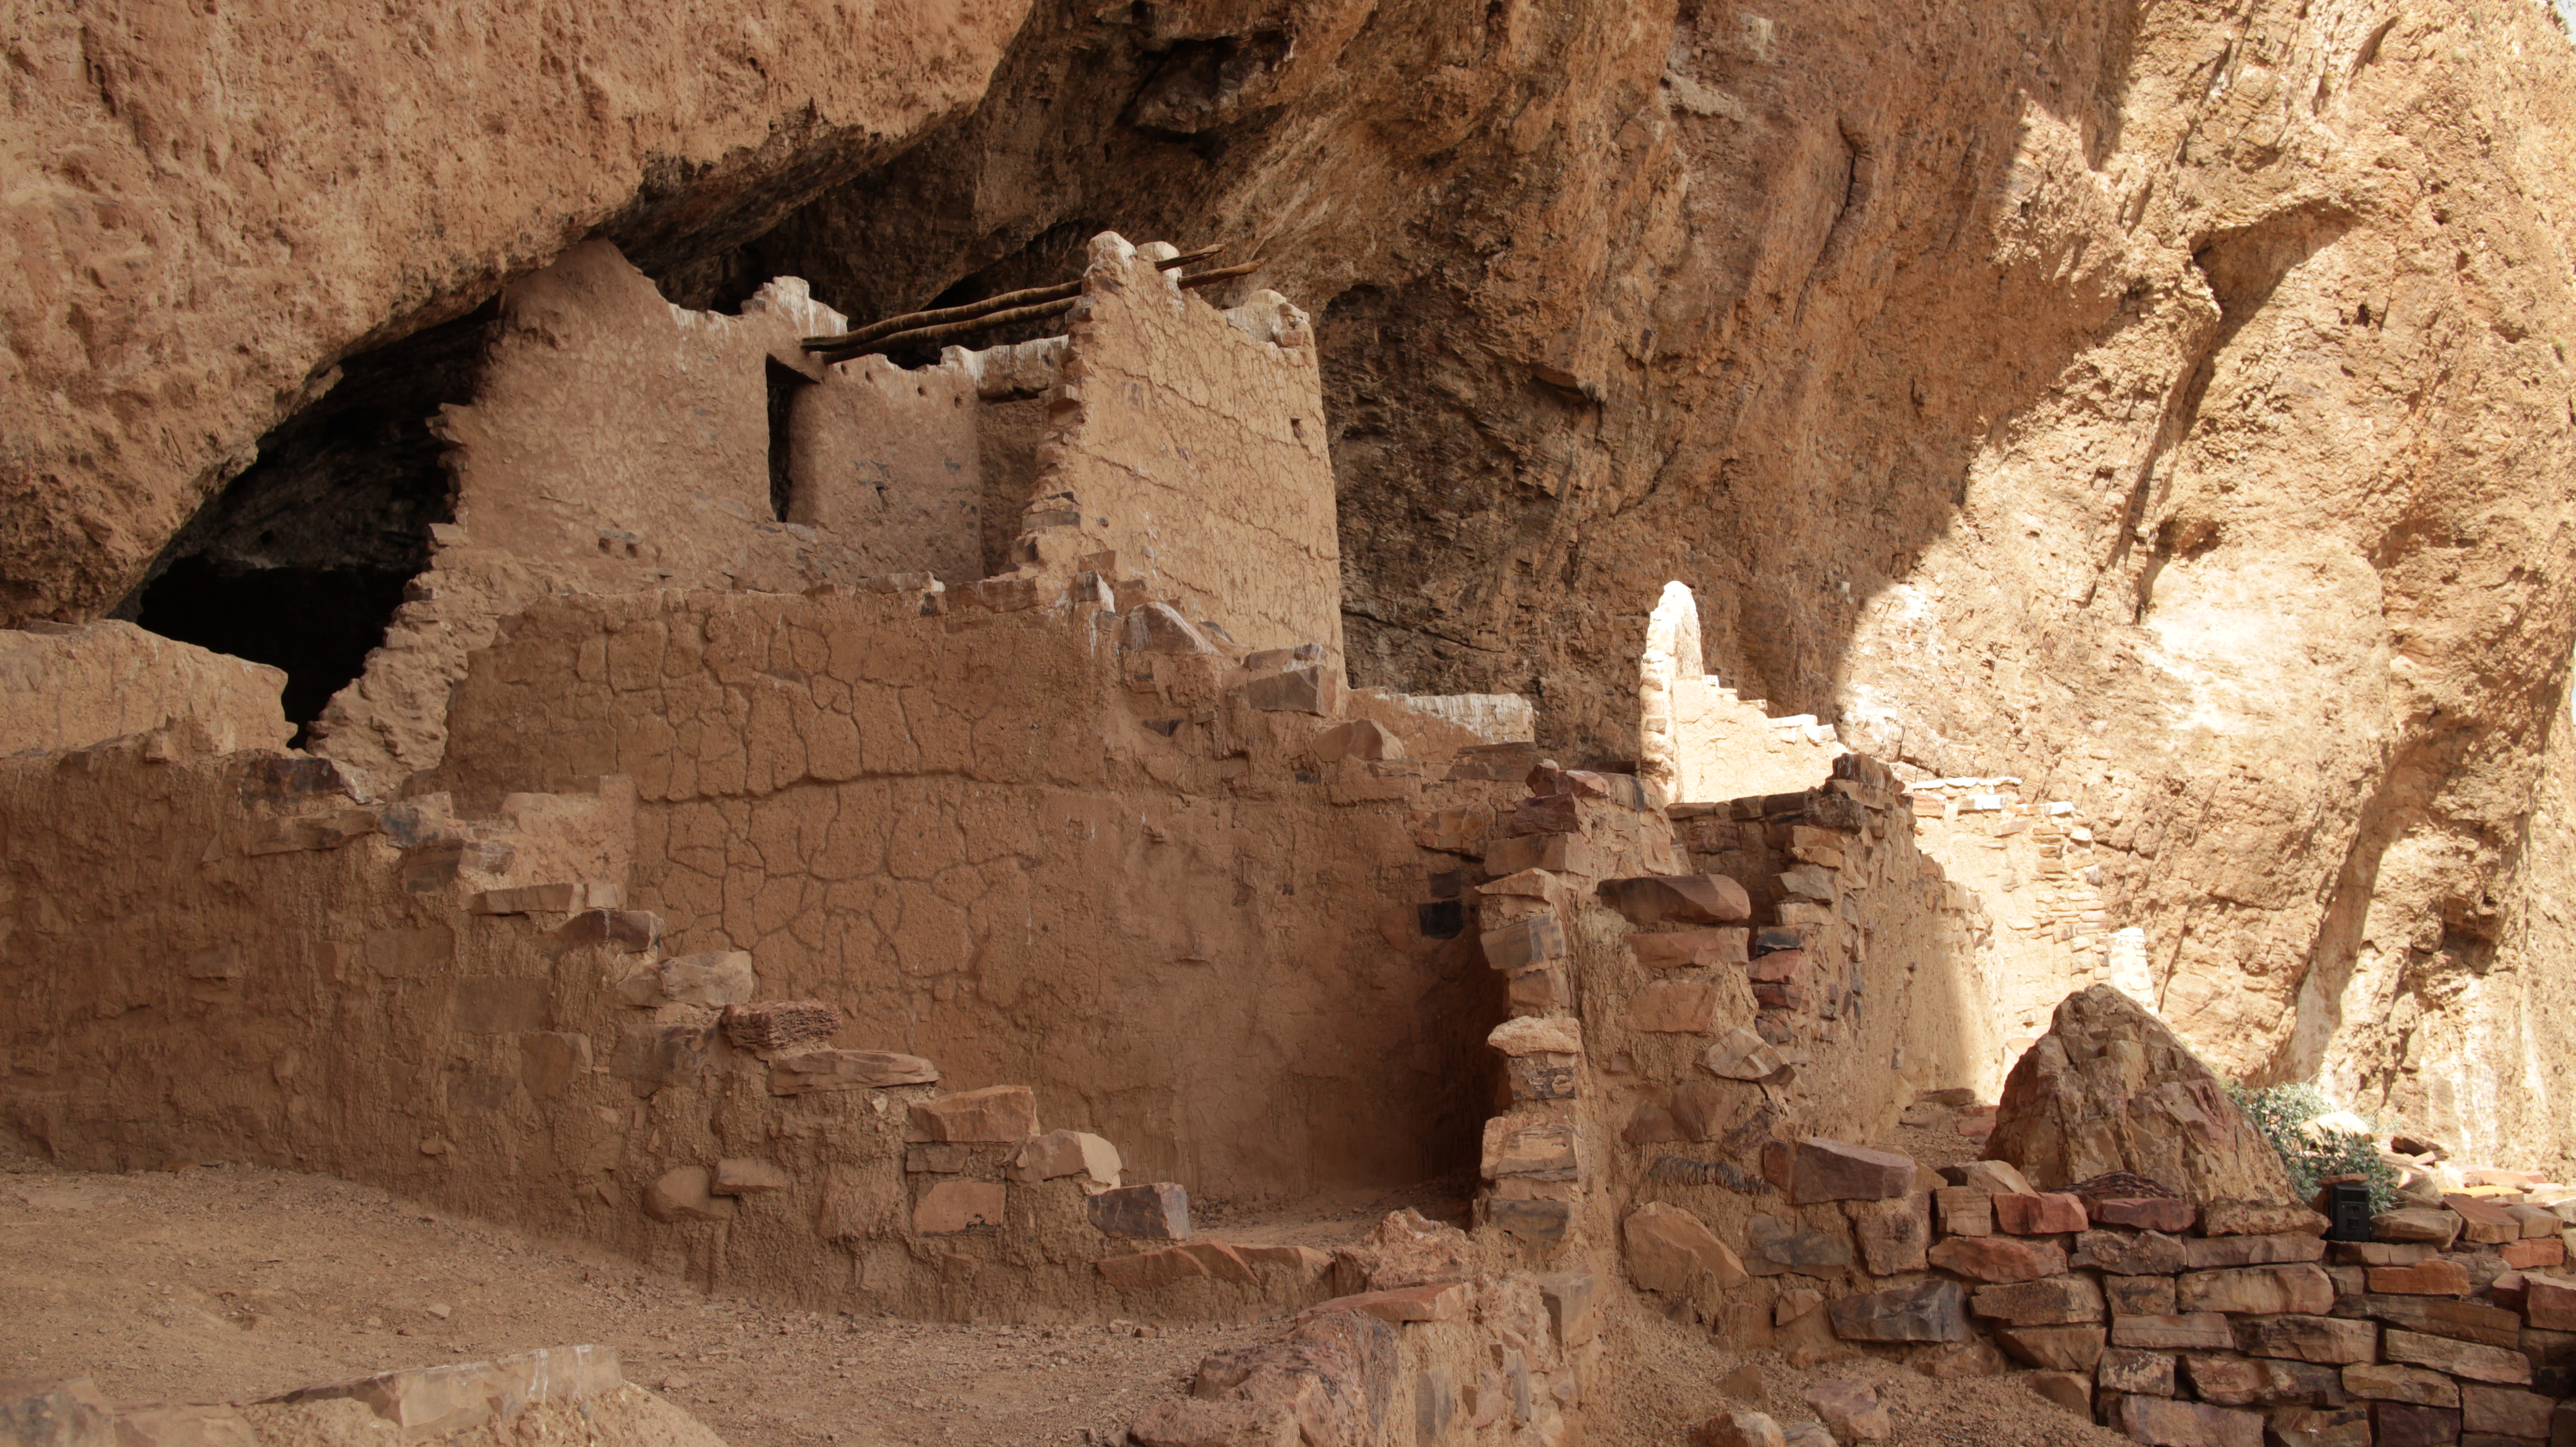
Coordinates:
(2281, 1113)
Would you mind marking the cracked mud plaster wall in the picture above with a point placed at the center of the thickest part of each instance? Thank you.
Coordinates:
(960, 830)
(230, 958)
(216, 204)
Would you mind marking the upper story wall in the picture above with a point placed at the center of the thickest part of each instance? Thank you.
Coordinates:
(1697, 740)
(1191, 443)
(617, 443)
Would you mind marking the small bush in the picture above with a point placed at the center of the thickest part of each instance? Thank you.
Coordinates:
(2282, 1113)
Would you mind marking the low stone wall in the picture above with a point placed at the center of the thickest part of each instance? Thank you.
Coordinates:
(2181, 1325)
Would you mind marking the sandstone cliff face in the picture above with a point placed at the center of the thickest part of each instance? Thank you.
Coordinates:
(2167, 404)
(208, 206)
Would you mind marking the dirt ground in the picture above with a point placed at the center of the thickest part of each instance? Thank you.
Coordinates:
(1660, 1378)
(225, 1283)
(230, 1283)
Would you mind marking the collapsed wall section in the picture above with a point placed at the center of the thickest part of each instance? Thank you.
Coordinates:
(615, 443)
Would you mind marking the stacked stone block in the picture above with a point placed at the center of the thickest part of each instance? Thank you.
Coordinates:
(2039, 866)
(2224, 1325)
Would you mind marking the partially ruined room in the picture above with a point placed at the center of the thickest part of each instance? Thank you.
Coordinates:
(976, 731)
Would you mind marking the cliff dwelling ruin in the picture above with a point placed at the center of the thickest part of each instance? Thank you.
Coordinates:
(1059, 733)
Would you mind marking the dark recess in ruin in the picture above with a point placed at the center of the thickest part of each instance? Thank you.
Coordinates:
(301, 560)
(784, 384)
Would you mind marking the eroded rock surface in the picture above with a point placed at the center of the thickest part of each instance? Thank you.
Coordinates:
(2110, 1088)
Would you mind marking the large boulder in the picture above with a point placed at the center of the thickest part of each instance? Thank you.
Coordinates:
(2110, 1088)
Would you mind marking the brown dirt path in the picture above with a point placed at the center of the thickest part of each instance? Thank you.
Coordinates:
(222, 1283)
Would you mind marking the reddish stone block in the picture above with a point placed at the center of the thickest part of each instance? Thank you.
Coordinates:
(2161, 1423)
(2465, 1360)
(2054, 1348)
(2259, 1218)
(994, 1113)
(2258, 1291)
(2130, 1253)
(1691, 949)
(1997, 1258)
(2330, 1340)
(1524, 942)
(2190, 1331)
(1654, 899)
(1965, 1211)
(2123, 1370)
(1814, 1168)
(2051, 1213)
(2232, 1381)
(2550, 1303)
(2532, 1255)
(1928, 1311)
(2484, 1222)
(2436, 1277)
(2212, 1252)
(2505, 1411)
(2396, 1424)
(2050, 1301)
(1787, 967)
(1158, 1211)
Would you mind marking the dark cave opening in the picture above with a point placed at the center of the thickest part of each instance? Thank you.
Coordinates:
(300, 561)
(316, 623)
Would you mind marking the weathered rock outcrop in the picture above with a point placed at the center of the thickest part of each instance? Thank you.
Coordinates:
(2164, 404)
(209, 208)
(2109, 1088)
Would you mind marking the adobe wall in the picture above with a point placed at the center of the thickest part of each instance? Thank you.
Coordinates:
(1191, 444)
(968, 831)
(996, 840)
(909, 467)
(616, 443)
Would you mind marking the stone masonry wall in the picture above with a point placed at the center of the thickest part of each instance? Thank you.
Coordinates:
(2191, 1324)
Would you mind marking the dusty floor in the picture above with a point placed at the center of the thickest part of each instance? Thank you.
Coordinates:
(1660, 1378)
(226, 1282)
(230, 1282)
